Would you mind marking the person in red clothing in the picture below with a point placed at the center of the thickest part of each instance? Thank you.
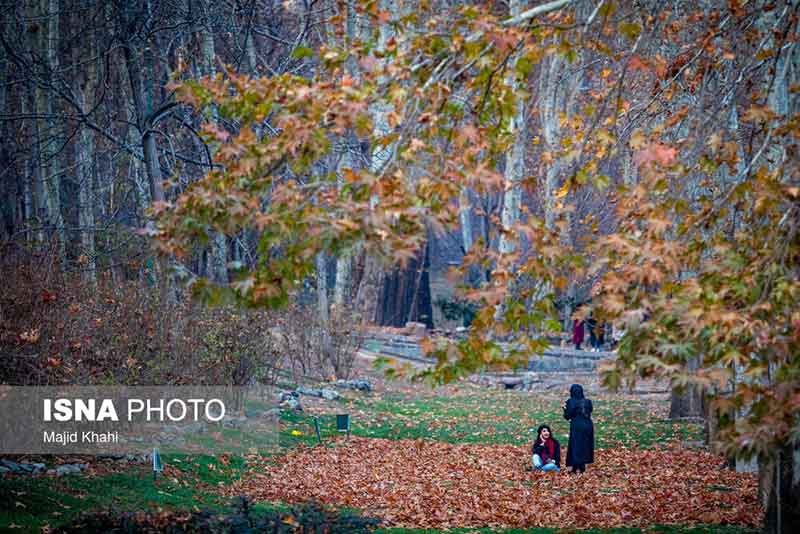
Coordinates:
(577, 333)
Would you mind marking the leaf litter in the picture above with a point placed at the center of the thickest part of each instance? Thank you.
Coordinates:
(430, 484)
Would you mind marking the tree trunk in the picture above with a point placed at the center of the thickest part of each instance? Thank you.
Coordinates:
(250, 49)
(406, 294)
(569, 307)
(322, 304)
(515, 159)
(84, 156)
(783, 493)
(686, 404)
(344, 272)
(8, 198)
(28, 176)
(344, 263)
(366, 302)
(689, 403)
(322, 286)
(559, 83)
(779, 487)
(49, 172)
(372, 280)
(141, 94)
(84, 159)
(141, 73)
(217, 257)
(465, 218)
(549, 109)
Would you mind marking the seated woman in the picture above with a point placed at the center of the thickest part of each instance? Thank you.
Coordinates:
(546, 451)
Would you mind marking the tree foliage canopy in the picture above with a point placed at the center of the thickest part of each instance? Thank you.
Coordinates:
(682, 126)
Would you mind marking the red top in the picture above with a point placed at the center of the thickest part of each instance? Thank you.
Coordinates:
(577, 331)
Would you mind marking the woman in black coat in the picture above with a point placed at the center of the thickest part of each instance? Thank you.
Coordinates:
(578, 411)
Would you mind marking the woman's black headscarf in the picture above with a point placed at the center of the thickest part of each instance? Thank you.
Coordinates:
(576, 391)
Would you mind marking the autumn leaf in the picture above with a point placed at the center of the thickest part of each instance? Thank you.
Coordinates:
(758, 114)
(562, 191)
(658, 153)
(637, 63)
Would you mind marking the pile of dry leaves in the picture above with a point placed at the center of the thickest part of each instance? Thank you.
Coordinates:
(433, 484)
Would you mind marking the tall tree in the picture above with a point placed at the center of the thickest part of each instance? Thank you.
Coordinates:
(84, 89)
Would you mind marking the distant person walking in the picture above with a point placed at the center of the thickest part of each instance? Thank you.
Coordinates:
(577, 333)
(601, 335)
(578, 411)
(546, 451)
(591, 324)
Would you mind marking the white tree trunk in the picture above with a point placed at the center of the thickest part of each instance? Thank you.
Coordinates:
(369, 290)
(84, 157)
(49, 172)
(551, 104)
(322, 287)
(465, 218)
(559, 84)
(217, 257)
(515, 159)
(344, 263)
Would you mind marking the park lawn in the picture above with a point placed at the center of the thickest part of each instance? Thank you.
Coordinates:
(29, 504)
(477, 415)
(463, 415)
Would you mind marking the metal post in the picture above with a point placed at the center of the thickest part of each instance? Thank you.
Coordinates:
(316, 427)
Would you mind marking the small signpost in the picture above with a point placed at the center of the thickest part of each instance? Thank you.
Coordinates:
(343, 423)
(157, 465)
(316, 427)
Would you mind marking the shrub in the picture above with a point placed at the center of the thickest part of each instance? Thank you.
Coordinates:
(307, 518)
(457, 310)
(55, 330)
(318, 349)
(346, 339)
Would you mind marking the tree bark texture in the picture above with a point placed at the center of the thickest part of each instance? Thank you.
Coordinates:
(406, 294)
(779, 486)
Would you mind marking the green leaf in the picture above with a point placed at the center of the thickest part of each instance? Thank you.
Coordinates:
(631, 30)
(302, 52)
(607, 9)
(524, 67)
(601, 181)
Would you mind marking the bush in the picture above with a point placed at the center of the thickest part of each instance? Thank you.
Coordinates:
(308, 518)
(315, 349)
(56, 330)
(235, 347)
(457, 310)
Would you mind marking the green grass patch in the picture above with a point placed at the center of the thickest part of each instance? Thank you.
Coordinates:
(32, 503)
(510, 418)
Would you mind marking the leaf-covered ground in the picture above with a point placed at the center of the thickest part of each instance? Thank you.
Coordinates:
(455, 457)
(440, 485)
(419, 483)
